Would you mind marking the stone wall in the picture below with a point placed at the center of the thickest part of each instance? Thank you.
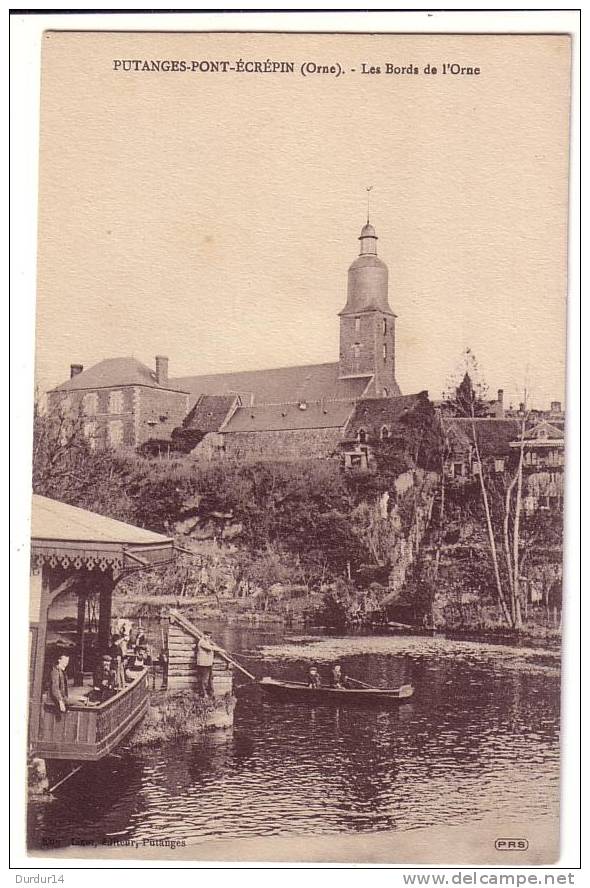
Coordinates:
(362, 338)
(282, 445)
(159, 413)
(144, 413)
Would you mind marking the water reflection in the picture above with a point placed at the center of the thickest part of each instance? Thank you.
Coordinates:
(481, 736)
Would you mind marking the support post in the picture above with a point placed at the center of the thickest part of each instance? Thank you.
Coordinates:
(105, 610)
(39, 664)
(81, 619)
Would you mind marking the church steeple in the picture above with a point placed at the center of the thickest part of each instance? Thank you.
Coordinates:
(368, 240)
(367, 322)
(367, 277)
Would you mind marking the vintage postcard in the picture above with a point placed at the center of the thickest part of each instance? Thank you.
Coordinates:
(299, 448)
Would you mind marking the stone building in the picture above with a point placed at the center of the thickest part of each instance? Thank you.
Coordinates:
(279, 413)
(494, 437)
(122, 402)
(543, 465)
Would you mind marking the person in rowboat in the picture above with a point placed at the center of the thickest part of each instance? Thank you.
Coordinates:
(313, 679)
(338, 679)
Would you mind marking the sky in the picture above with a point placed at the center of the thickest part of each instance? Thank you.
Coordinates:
(212, 217)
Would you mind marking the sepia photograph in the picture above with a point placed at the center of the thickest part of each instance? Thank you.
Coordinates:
(297, 584)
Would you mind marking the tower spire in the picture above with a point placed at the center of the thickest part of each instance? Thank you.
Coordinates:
(368, 189)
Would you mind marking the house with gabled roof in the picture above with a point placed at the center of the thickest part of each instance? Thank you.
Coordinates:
(122, 401)
(494, 438)
(543, 464)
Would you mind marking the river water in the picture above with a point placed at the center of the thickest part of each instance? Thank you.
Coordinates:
(481, 738)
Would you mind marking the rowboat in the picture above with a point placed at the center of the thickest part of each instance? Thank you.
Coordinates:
(286, 691)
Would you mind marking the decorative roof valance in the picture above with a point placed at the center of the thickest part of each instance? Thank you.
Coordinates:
(66, 536)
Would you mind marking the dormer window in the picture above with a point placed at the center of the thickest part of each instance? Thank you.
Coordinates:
(362, 436)
(384, 433)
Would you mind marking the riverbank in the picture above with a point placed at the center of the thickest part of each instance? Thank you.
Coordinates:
(202, 610)
(465, 844)
(173, 715)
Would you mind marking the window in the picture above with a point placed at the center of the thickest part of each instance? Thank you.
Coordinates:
(384, 433)
(90, 433)
(115, 433)
(116, 402)
(385, 326)
(362, 436)
(357, 326)
(385, 392)
(384, 351)
(499, 465)
(90, 403)
(457, 470)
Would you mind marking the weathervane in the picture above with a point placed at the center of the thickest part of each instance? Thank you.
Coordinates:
(368, 189)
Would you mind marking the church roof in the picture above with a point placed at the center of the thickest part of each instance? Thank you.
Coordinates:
(290, 417)
(373, 413)
(311, 382)
(209, 412)
(115, 372)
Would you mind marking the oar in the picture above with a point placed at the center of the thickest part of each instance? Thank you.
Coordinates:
(193, 630)
(227, 657)
(362, 683)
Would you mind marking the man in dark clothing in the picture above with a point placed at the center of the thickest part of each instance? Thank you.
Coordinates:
(205, 656)
(58, 685)
(102, 687)
(338, 679)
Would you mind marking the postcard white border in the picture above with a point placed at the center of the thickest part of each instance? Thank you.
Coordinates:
(26, 31)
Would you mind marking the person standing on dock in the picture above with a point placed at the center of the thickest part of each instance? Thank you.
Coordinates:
(205, 655)
(58, 688)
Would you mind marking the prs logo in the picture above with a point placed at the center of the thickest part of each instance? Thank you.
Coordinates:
(511, 844)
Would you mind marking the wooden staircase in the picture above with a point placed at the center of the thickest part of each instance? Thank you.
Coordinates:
(183, 637)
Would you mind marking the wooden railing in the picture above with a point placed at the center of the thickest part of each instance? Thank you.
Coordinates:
(89, 732)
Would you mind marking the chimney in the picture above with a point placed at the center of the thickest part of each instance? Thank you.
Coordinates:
(555, 406)
(500, 409)
(75, 369)
(162, 370)
(500, 396)
(521, 407)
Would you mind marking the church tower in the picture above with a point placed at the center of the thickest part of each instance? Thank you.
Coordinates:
(367, 323)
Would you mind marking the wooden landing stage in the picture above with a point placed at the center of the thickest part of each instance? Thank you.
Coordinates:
(183, 637)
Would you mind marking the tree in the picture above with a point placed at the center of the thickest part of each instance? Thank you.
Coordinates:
(467, 400)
